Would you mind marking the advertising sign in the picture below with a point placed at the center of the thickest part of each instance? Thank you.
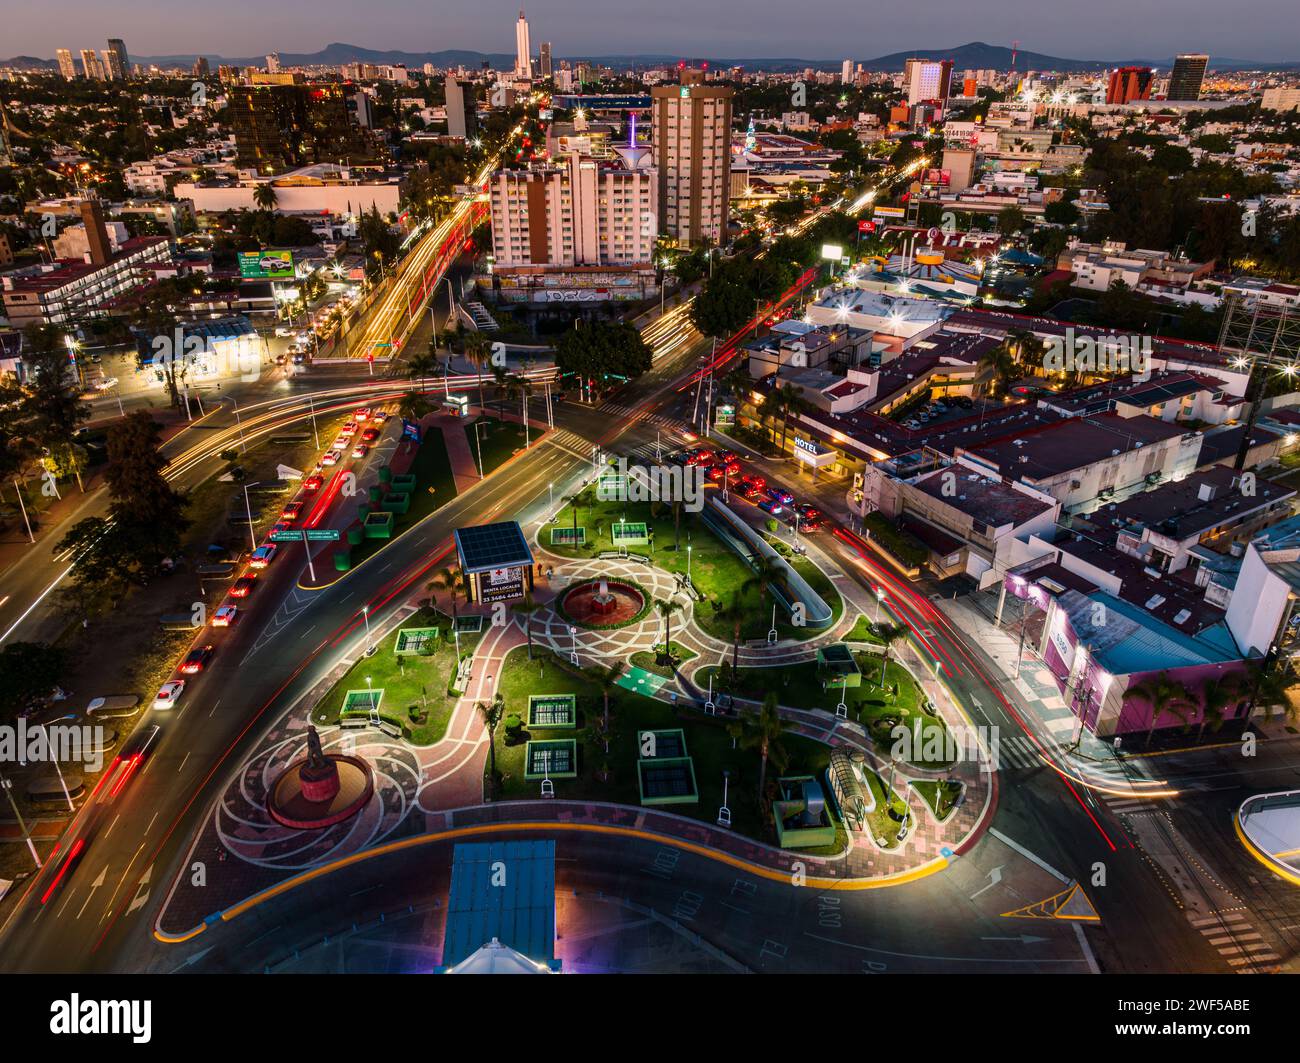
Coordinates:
(501, 584)
(266, 265)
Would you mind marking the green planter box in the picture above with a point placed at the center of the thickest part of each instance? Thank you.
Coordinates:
(342, 560)
(398, 502)
(378, 526)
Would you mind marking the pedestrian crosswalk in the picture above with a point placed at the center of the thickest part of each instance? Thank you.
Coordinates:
(1235, 938)
(615, 409)
(1018, 751)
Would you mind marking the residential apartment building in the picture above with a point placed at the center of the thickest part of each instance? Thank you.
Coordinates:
(691, 124)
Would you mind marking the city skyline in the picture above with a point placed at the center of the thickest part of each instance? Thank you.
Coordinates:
(675, 27)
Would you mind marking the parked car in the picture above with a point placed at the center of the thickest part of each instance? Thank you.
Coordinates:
(225, 616)
(262, 556)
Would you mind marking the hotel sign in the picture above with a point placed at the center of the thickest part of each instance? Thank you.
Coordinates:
(814, 454)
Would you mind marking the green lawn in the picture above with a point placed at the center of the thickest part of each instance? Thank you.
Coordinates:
(499, 440)
(648, 659)
(411, 682)
(798, 686)
(940, 794)
(706, 739)
(884, 827)
(863, 630)
(717, 571)
(434, 487)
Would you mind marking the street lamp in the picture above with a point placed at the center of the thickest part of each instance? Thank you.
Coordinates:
(880, 597)
(365, 613)
(688, 563)
(248, 509)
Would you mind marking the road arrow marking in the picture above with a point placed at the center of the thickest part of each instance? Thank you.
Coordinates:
(995, 876)
(103, 874)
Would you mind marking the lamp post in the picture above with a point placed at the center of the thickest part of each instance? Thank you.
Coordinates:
(365, 613)
(243, 447)
(689, 548)
(45, 730)
(880, 597)
(248, 510)
(8, 788)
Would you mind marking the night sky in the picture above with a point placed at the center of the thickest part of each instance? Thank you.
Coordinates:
(812, 29)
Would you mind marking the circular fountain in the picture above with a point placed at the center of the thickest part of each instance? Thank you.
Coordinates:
(600, 603)
(321, 789)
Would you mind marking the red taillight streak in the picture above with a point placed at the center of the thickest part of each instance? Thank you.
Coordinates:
(77, 846)
(102, 779)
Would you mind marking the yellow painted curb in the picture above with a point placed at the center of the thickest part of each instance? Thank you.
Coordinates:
(924, 871)
(1262, 856)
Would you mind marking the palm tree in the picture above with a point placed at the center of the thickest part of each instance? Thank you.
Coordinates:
(1217, 695)
(666, 608)
(762, 731)
(602, 731)
(478, 352)
(734, 613)
(413, 406)
(264, 196)
(526, 607)
(606, 677)
(574, 500)
(888, 634)
(999, 363)
(768, 411)
(419, 364)
(448, 579)
(1269, 688)
(1163, 694)
(490, 712)
(768, 572)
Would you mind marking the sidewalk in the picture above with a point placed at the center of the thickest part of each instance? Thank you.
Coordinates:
(455, 436)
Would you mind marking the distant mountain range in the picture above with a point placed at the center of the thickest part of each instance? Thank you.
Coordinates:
(977, 55)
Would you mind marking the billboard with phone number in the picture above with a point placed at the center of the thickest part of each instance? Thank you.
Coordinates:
(266, 265)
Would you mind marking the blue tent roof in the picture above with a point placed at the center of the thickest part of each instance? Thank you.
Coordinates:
(502, 890)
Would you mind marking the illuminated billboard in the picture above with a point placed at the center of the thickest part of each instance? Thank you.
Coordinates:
(266, 265)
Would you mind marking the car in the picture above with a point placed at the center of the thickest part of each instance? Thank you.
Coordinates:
(292, 511)
(107, 384)
(285, 331)
(772, 506)
(379, 416)
(362, 414)
(278, 527)
(135, 750)
(341, 443)
(196, 659)
(361, 450)
(169, 694)
(812, 524)
(716, 472)
(747, 491)
(912, 423)
(807, 511)
(348, 430)
(299, 358)
(726, 457)
(781, 495)
(732, 466)
(225, 616)
(699, 457)
(965, 402)
(313, 484)
(758, 481)
(262, 556)
(370, 435)
(330, 457)
(243, 586)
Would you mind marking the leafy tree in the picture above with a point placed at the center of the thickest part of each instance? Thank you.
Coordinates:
(722, 307)
(1011, 220)
(600, 351)
(28, 672)
(145, 522)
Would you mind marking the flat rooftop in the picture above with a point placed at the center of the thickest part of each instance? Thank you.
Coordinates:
(985, 498)
(1053, 449)
(1203, 501)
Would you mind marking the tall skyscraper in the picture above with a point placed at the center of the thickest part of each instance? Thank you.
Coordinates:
(846, 72)
(691, 123)
(523, 51)
(1128, 83)
(116, 61)
(273, 63)
(462, 108)
(201, 68)
(1187, 76)
(91, 67)
(67, 67)
(927, 79)
(544, 59)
